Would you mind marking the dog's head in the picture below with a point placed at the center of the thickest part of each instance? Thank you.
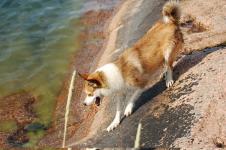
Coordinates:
(95, 85)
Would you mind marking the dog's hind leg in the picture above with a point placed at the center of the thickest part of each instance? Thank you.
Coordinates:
(169, 76)
(168, 64)
(131, 103)
(117, 118)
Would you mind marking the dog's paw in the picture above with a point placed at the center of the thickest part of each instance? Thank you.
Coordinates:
(113, 125)
(129, 109)
(169, 83)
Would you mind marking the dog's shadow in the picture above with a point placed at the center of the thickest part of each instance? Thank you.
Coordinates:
(183, 65)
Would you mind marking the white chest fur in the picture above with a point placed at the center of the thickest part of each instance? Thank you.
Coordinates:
(113, 76)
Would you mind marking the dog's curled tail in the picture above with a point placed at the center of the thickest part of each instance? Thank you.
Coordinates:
(171, 12)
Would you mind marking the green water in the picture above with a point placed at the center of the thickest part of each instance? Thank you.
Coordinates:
(38, 38)
(8, 126)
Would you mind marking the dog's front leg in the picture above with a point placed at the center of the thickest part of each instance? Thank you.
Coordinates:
(131, 103)
(117, 118)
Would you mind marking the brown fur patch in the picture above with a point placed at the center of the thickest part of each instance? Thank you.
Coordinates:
(150, 50)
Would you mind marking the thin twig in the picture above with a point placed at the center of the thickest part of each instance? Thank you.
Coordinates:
(68, 106)
(137, 140)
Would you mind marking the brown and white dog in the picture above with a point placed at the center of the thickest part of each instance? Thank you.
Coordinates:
(134, 67)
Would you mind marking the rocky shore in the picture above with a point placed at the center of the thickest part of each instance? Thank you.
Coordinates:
(17, 110)
(189, 115)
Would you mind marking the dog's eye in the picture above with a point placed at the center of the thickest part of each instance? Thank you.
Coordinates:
(90, 84)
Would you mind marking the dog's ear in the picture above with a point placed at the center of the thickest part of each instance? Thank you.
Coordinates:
(83, 76)
(94, 83)
(98, 80)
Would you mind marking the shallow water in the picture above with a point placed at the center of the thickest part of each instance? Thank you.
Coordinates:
(37, 41)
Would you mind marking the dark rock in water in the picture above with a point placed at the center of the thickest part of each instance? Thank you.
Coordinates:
(19, 109)
(18, 138)
(33, 127)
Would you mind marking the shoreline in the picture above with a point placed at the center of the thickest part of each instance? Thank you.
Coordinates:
(79, 116)
(91, 39)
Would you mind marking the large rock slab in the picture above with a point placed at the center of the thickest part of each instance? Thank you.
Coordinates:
(207, 22)
(190, 115)
(183, 116)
